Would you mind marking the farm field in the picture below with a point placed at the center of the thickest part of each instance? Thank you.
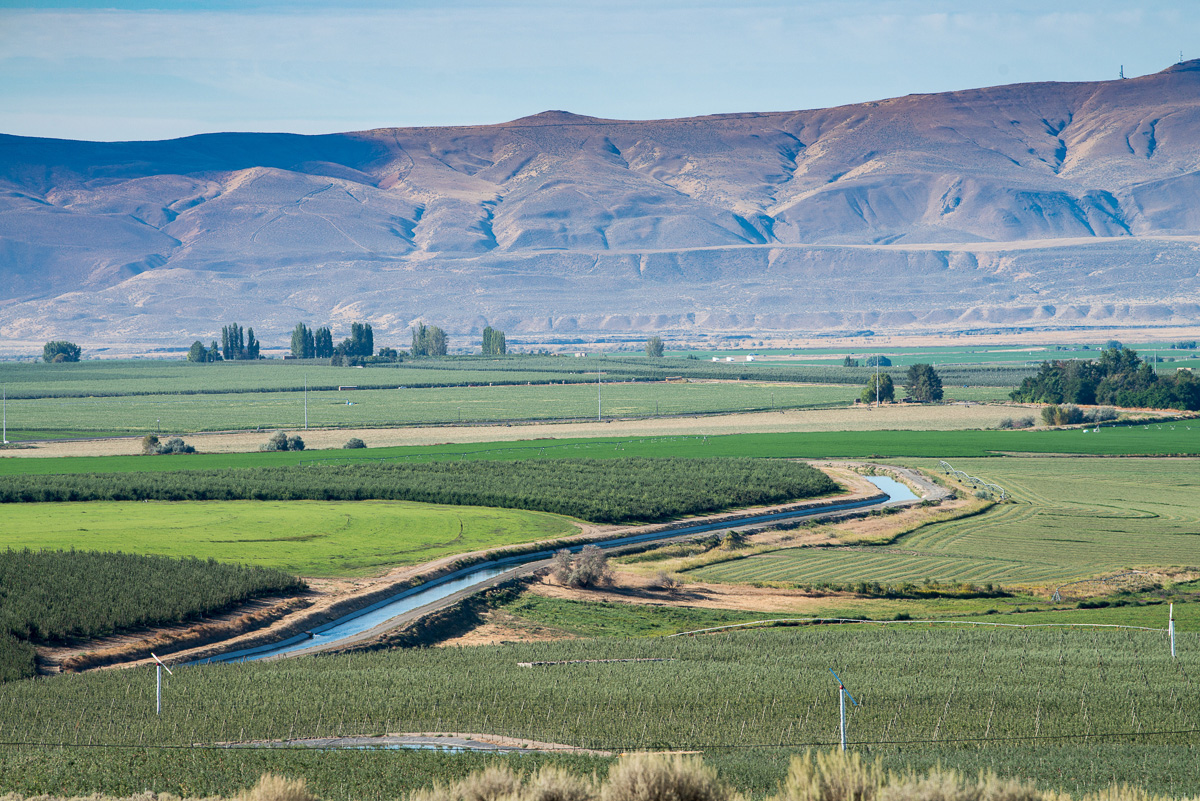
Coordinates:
(1021, 701)
(595, 618)
(155, 377)
(1069, 519)
(309, 538)
(365, 408)
(1181, 438)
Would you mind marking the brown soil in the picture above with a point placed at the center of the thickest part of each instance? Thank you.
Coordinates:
(637, 588)
(501, 627)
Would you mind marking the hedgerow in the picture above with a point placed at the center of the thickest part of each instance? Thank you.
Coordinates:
(600, 490)
(48, 596)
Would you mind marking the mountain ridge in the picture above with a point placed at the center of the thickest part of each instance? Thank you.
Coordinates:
(920, 212)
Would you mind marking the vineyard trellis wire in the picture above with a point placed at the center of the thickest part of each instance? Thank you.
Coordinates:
(975, 481)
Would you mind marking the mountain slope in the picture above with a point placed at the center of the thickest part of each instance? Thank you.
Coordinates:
(1033, 204)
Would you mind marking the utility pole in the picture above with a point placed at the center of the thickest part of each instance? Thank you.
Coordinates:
(306, 401)
(599, 419)
(5, 391)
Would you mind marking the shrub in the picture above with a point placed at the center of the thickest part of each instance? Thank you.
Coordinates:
(280, 441)
(272, 787)
(1055, 415)
(663, 777)
(354, 442)
(591, 568)
(151, 446)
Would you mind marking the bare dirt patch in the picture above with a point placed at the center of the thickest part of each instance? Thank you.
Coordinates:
(501, 627)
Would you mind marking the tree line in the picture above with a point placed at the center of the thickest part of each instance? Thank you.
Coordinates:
(1119, 378)
(599, 490)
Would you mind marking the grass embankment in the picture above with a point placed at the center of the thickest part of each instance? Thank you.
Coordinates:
(1068, 709)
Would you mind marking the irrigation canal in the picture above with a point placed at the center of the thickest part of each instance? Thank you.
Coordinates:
(343, 630)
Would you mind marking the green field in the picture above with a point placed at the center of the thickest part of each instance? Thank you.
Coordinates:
(366, 408)
(309, 538)
(1069, 519)
(1069, 709)
(1181, 438)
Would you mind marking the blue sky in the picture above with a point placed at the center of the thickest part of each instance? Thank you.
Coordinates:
(154, 70)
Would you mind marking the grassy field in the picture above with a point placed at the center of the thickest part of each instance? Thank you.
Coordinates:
(365, 408)
(1155, 439)
(1069, 519)
(309, 538)
(605, 619)
(1023, 701)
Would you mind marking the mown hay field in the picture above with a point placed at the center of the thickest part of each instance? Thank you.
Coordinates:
(1068, 519)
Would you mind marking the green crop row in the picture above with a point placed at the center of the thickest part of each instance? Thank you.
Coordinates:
(51, 595)
(598, 490)
(920, 689)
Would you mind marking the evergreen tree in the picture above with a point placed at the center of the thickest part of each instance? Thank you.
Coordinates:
(923, 383)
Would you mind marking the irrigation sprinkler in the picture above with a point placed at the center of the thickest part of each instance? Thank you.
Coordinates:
(979, 483)
(158, 669)
(1171, 627)
(843, 694)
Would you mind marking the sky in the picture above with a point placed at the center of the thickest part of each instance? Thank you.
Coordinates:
(112, 70)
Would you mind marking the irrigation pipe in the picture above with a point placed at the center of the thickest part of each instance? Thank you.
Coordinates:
(773, 621)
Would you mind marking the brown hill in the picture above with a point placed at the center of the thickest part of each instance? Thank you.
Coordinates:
(1036, 204)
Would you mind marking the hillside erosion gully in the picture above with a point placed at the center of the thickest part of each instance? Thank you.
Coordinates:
(334, 602)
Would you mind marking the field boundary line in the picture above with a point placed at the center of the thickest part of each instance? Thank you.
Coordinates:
(772, 621)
